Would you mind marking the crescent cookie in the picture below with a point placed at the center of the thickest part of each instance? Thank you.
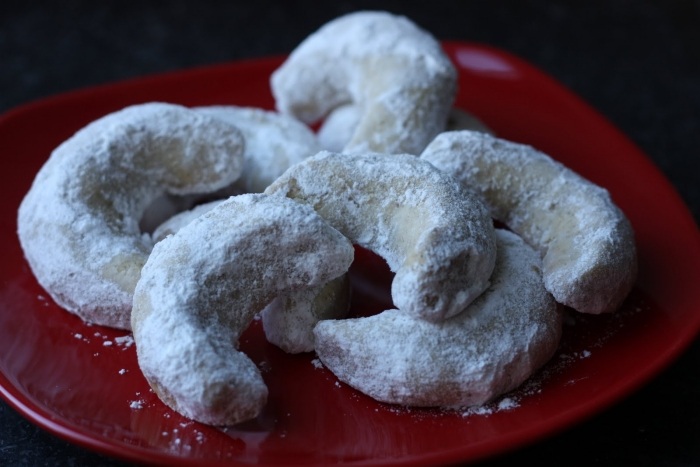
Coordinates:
(201, 288)
(492, 347)
(587, 243)
(79, 223)
(396, 72)
(289, 320)
(436, 236)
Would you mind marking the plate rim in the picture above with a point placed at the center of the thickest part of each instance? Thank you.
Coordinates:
(64, 429)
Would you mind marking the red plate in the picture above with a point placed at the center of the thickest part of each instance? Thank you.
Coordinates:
(82, 382)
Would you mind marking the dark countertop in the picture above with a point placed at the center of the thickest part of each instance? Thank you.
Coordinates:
(636, 62)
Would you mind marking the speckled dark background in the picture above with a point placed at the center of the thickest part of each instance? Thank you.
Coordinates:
(636, 62)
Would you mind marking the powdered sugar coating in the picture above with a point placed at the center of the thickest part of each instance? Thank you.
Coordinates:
(392, 69)
(181, 219)
(492, 347)
(338, 127)
(587, 243)
(436, 236)
(79, 222)
(273, 143)
(289, 320)
(202, 286)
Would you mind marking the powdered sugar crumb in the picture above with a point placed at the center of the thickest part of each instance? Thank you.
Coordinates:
(507, 403)
(575, 355)
(136, 405)
(264, 367)
(126, 341)
(81, 337)
(477, 410)
(316, 362)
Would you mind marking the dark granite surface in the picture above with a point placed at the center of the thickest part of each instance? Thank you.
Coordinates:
(636, 62)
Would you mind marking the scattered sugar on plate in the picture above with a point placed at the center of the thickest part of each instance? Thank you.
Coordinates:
(316, 362)
(477, 410)
(126, 341)
(81, 337)
(264, 366)
(136, 405)
(507, 403)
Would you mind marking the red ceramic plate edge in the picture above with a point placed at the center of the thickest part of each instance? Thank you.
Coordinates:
(513, 440)
(67, 431)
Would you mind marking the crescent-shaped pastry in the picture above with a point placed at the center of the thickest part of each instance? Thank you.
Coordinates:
(202, 286)
(492, 347)
(394, 71)
(436, 236)
(587, 244)
(79, 223)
